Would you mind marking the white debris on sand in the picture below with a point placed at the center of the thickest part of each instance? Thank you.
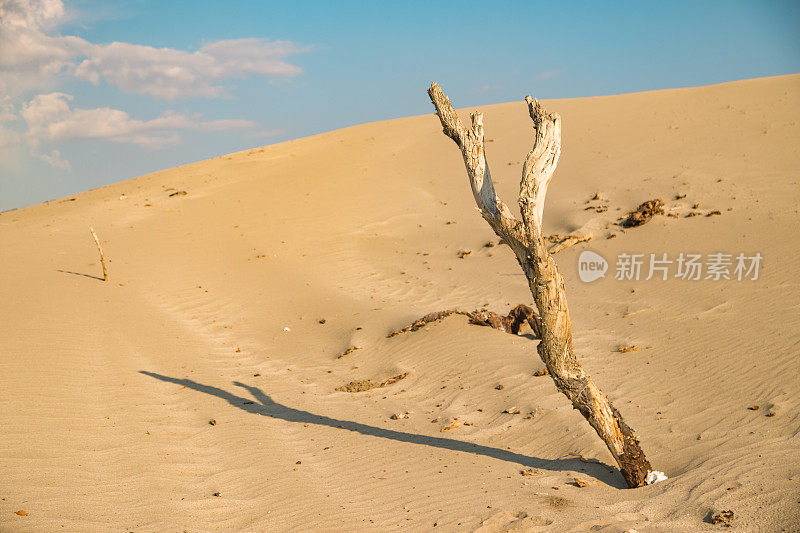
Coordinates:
(654, 476)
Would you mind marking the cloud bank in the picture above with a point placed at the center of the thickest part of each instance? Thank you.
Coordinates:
(167, 73)
(34, 57)
(50, 118)
(31, 55)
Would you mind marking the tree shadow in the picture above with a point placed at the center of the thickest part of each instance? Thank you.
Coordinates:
(262, 404)
(80, 274)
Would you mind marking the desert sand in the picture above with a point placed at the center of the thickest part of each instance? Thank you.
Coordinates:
(196, 389)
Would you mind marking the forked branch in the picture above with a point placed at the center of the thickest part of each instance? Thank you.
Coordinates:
(526, 239)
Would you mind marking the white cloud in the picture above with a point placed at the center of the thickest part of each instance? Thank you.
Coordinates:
(167, 73)
(7, 110)
(242, 57)
(8, 137)
(30, 56)
(31, 13)
(50, 118)
(54, 159)
(34, 56)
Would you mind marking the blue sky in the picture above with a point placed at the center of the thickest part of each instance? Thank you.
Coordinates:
(92, 93)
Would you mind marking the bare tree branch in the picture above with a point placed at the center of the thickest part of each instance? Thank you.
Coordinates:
(526, 239)
(471, 143)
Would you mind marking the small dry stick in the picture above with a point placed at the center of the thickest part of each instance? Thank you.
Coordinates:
(626, 315)
(570, 240)
(102, 257)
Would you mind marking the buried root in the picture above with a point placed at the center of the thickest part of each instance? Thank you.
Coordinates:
(361, 385)
(511, 323)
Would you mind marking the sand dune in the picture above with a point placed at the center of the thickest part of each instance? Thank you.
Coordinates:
(214, 306)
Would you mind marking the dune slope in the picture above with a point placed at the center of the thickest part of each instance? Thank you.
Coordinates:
(216, 299)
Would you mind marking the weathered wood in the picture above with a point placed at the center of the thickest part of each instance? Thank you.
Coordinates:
(527, 240)
(570, 240)
(102, 256)
(511, 323)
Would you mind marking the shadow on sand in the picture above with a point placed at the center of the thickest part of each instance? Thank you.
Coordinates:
(79, 274)
(262, 404)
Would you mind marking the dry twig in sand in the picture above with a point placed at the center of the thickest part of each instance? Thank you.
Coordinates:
(102, 257)
(626, 315)
(348, 351)
(590, 461)
(526, 238)
(570, 240)
(427, 319)
(361, 385)
(509, 324)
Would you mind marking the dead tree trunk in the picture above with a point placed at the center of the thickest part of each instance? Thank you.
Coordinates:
(544, 279)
